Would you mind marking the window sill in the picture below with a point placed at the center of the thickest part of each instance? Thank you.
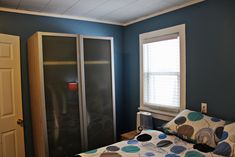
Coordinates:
(159, 114)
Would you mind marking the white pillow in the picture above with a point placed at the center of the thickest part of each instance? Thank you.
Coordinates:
(196, 127)
(227, 144)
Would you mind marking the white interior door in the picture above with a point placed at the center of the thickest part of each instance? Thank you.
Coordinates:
(11, 119)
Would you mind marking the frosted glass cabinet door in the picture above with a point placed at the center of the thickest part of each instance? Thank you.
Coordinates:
(61, 95)
(98, 87)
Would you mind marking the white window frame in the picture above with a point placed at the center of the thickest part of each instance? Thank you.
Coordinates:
(158, 111)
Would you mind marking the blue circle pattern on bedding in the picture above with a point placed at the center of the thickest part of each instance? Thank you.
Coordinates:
(180, 120)
(227, 144)
(196, 127)
(214, 119)
(132, 142)
(162, 136)
(172, 155)
(194, 154)
(178, 149)
(112, 148)
(149, 154)
(224, 135)
(223, 149)
(130, 149)
(195, 116)
(164, 143)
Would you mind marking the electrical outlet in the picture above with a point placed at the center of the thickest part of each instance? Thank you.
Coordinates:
(204, 107)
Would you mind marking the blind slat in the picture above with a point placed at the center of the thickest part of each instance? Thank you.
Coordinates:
(162, 71)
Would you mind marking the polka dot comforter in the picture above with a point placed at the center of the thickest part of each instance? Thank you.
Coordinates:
(150, 143)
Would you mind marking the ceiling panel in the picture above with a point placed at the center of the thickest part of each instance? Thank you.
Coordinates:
(9, 4)
(108, 7)
(176, 3)
(135, 10)
(122, 17)
(158, 5)
(84, 6)
(33, 5)
(116, 11)
(59, 6)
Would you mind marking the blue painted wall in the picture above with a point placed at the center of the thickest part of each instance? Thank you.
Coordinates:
(25, 25)
(210, 44)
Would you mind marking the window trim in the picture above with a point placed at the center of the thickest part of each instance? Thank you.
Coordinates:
(162, 112)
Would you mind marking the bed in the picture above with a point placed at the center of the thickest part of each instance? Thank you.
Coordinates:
(189, 134)
(160, 145)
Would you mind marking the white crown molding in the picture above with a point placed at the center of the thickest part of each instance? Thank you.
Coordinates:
(163, 12)
(97, 20)
(57, 16)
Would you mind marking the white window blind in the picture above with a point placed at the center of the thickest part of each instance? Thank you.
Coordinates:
(161, 71)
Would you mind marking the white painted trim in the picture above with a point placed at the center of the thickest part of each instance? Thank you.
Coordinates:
(57, 16)
(97, 20)
(163, 12)
(179, 29)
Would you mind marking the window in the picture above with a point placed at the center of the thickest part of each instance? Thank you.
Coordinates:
(162, 71)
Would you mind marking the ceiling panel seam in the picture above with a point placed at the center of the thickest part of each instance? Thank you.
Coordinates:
(18, 4)
(71, 6)
(95, 7)
(128, 4)
(45, 6)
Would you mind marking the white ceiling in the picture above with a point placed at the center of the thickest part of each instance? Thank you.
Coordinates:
(112, 11)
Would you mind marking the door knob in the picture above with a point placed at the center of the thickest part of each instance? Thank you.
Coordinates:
(20, 122)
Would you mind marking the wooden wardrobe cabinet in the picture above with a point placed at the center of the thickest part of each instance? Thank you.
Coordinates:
(71, 93)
